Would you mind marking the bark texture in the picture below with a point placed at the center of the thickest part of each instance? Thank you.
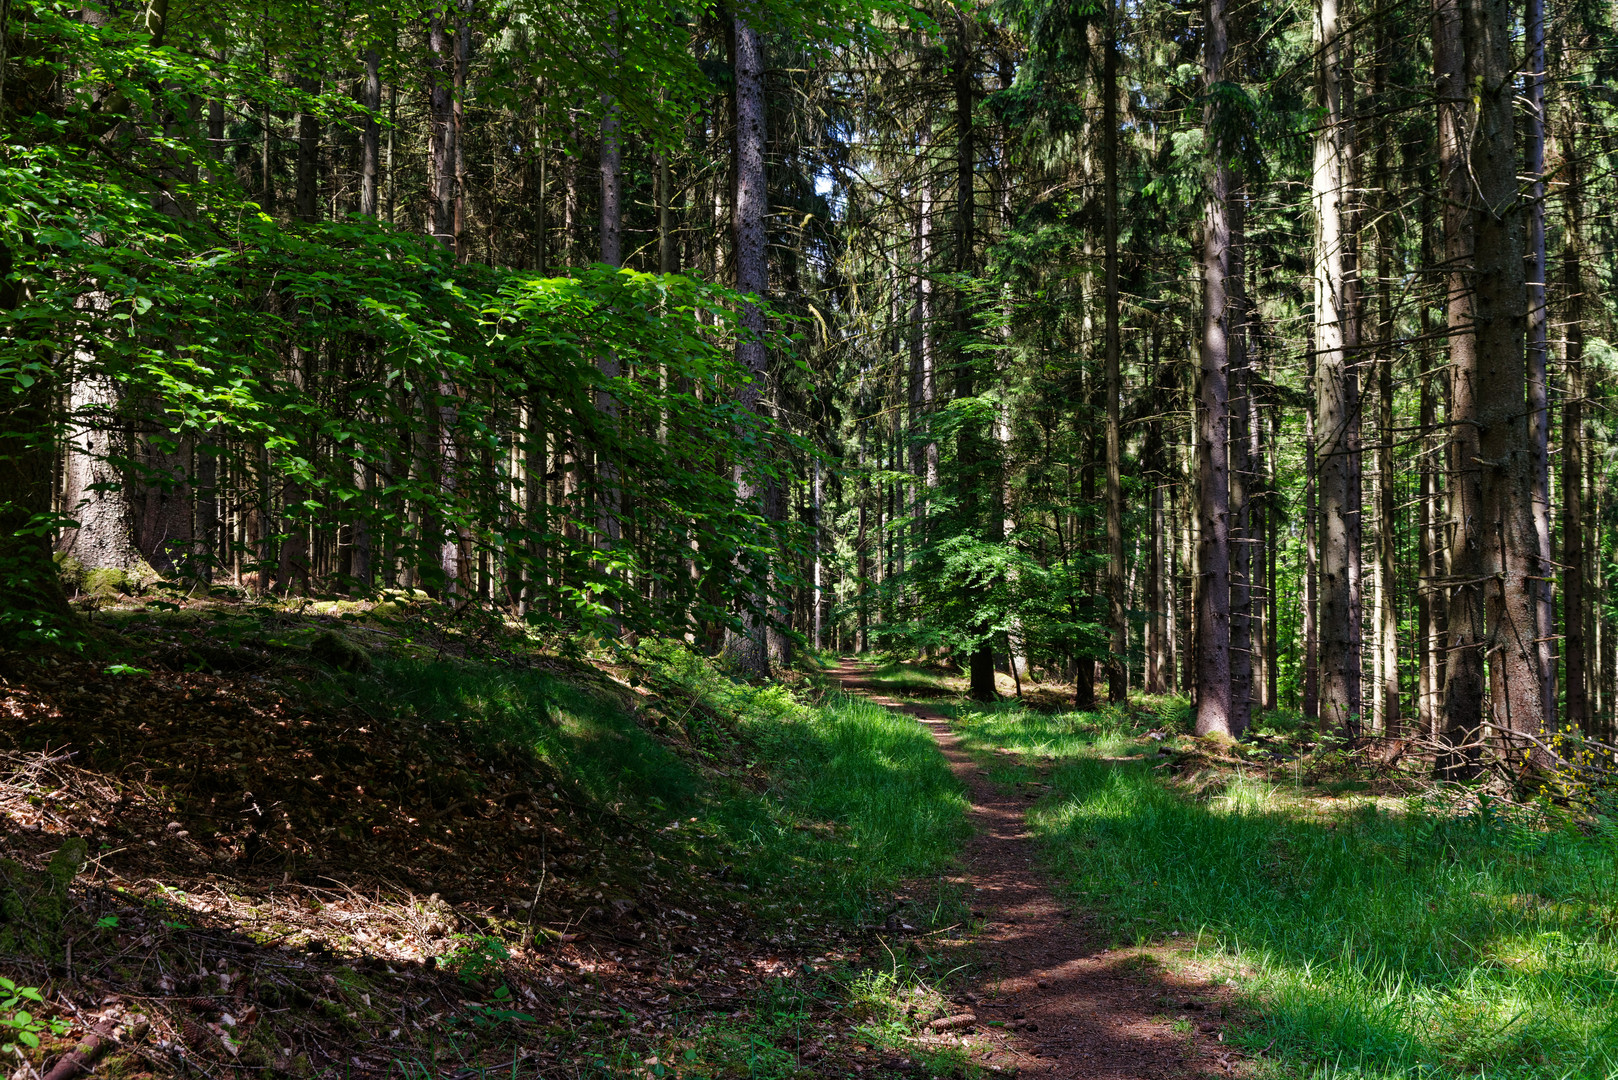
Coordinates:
(1336, 386)
(1213, 689)
(748, 649)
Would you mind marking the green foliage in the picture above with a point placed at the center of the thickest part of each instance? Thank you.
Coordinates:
(18, 1027)
(476, 957)
(205, 314)
(860, 798)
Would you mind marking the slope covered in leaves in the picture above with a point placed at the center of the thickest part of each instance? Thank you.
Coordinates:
(455, 853)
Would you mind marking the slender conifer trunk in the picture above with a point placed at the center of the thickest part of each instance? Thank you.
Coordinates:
(1213, 676)
(1576, 696)
(1336, 385)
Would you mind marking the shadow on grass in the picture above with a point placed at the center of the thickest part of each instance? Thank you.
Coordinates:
(1375, 944)
(912, 679)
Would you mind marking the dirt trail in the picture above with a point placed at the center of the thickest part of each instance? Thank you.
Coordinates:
(1095, 1013)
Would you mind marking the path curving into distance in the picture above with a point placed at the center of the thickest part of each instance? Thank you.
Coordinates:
(1094, 1013)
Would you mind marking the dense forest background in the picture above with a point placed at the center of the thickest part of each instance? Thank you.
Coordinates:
(1255, 352)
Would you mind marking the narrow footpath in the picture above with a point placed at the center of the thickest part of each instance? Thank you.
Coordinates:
(1071, 1008)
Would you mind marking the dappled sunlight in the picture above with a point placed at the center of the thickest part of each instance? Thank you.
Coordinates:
(1370, 934)
(1372, 937)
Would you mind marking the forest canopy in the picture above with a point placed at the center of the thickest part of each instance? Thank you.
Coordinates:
(1256, 353)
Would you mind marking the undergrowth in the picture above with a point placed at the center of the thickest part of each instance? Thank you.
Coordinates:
(711, 853)
(1368, 937)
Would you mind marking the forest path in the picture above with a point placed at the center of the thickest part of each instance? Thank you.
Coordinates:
(1083, 1011)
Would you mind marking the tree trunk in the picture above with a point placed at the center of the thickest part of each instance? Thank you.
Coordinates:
(1159, 624)
(748, 650)
(306, 190)
(1117, 619)
(1494, 551)
(1429, 647)
(609, 493)
(1539, 414)
(1512, 541)
(370, 133)
(1084, 682)
(1213, 676)
(570, 201)
(1336, 386)
(94, 491)
(1463, 676)
(1576, 696)
(611, 185)
(462, 70)
(1272, 621)
(266, 162)
(1510, 544)
(1241, 475)
(667, 260)
(1311, 555)
(441, 128)
(1387, 609)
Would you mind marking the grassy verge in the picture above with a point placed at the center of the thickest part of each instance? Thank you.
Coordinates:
(849, 799)
(1368, 936)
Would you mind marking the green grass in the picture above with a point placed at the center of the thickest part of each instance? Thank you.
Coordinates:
(1368, 943)
(908, 678)
(582, 734)
(829, 806)
(856, 799)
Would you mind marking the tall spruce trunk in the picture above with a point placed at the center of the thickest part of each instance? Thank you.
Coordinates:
(748, 649)
(1336, 386)
(370, 132)
(1117, 617)
(1464, 562)
(975, 459)
(462, 68)
(1159, 623)
(1272, 620)
(360, 557)
(1241, 476)
(1311, 555)
(927, 308)
(306, 190)
(1213, 677)
(1258, 507)
(611, 184)
(609, 494)
(1576, 707)
(1429, 643)
(1539, 413)
(441, 128)
(1387, 609)
(1510, 544)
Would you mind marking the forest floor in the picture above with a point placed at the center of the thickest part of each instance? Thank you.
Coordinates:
(1050, 997)
(224, 855)
(252, 841)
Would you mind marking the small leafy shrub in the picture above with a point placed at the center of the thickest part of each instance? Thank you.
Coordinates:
(478, 956)
(18, 1027)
